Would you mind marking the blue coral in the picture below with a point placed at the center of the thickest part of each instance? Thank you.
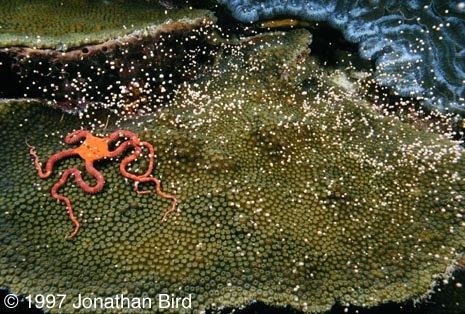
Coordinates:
(418, 46)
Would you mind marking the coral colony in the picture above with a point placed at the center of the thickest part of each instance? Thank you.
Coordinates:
(123, 67)
(418, 46)
(288, 185)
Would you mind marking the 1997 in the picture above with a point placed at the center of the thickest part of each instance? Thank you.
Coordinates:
(47, 301)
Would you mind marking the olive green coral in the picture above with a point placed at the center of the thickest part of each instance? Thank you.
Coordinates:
(122, 66)
(66, 24)
(290, 194)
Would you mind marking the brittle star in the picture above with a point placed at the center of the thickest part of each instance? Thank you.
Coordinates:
(96, 148)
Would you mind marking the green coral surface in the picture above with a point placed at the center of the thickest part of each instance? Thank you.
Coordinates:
(291, 192)
(67, 24)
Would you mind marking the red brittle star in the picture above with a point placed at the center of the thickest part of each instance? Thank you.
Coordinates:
(96, 148)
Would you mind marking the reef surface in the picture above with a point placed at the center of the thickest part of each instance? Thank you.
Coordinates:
(117, 53)
(62, 25)
(418, 46)
(293, 190)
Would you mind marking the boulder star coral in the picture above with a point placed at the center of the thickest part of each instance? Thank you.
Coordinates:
(55, 24)
(130, 59)
(291, 194)
(418, 46)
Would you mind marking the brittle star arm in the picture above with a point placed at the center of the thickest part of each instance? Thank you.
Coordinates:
(137, 178)
(128, 159)
(137, 151)
(123, 133)
(132, 142)
(50, 162)
(159, 192)
(145, 177)
(78, 178)
(75, 136)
